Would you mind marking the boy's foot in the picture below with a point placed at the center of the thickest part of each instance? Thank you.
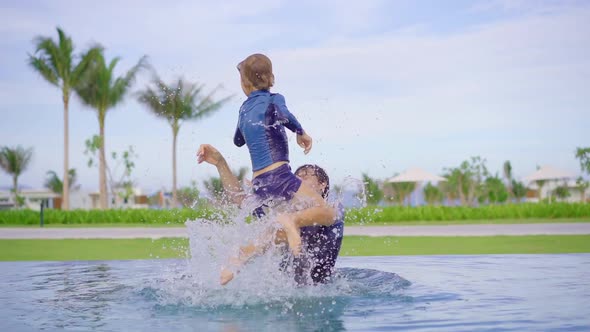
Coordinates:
(226, 276)
(292, 232)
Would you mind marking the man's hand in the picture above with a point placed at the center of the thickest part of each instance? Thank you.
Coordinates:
(305, 141)
(207, 153)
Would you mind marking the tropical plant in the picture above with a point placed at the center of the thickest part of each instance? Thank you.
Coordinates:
(102, 91)
(177, 103)
(583, 155)
(519, 190)
(14, 161)
(466, 181)
(55, 184)
(337, 190)
(402, 190)
(189, 196)
(582, 186)
(214, 185)
(507, 170)
(562, 192)
(56, 62)
(449, 191)
(373, 193)
(494, 190)
(540, 185)
(119, 181)
(433, 195)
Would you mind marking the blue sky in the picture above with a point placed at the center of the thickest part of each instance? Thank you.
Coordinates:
(381, 86)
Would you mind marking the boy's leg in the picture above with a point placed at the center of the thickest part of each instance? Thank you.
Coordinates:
(245, 253)
(319, 213)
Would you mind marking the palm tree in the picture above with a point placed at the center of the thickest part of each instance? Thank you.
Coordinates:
(432, 194)
(540, 185)
(56, 63)
(177, 103)
(215, 186)
(402, 190)
(582, 185)
(507, 168)
(519, 190)
(372, 190)
(14, 161)
(55, 184)
(102, 91)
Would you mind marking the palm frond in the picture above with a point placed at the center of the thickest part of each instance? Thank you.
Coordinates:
(15, 160)
(179, 101)
(66, 50)
(122, 84)
(80, 71)
(42, 67)
(53, 182)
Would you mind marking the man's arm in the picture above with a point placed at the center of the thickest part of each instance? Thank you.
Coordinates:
(231, 185)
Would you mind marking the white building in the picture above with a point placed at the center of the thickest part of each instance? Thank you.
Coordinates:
(32, 198)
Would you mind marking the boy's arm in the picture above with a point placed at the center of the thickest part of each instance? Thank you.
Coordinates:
(285, 117)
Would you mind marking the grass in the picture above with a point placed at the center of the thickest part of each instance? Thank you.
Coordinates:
(429, 245)
(122, 249)
(395, 223)
(91, 249)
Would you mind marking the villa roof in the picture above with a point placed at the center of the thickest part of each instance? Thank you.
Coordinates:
(416, 175)
(548, 173)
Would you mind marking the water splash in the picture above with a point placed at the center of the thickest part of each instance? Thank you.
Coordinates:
(269, 279)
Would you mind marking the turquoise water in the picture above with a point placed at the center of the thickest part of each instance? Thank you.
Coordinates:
(454, 293)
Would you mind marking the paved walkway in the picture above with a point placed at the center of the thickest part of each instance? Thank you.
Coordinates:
(445, 230)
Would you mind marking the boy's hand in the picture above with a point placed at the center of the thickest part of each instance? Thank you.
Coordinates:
(305, 141)
(209, 154)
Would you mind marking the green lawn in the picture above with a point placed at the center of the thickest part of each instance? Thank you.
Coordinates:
(99, 249)
(393, 223)
(468, 245)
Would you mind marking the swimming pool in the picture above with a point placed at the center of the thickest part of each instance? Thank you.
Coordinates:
(455, 293)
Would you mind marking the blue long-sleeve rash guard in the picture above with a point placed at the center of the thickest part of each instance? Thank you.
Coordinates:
(261, 125)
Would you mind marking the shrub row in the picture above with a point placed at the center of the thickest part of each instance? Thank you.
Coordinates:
(129, 216)
(444, 213)
(353, 216)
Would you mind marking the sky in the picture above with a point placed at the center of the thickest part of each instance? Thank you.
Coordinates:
(381, 86)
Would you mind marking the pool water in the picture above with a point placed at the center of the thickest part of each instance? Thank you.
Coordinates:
(454, 293)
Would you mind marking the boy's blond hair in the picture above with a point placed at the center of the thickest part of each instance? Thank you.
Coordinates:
(256, 71)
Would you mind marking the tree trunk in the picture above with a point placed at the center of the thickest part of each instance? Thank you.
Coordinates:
(65, 197)
(15, 184)
(174, 135)
(461, 193)
(102, 178)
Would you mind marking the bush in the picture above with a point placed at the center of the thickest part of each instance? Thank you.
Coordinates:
(353, 216)
(130, 216)
(447, 213)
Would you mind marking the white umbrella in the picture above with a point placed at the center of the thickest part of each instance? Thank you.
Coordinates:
(416, 175)
(548, 173)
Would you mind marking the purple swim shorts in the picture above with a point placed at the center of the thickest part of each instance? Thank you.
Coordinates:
(278, 184)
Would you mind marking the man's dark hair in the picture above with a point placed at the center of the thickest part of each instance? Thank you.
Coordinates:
(319, 173)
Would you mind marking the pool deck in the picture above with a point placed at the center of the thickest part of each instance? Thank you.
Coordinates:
(442, 230)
